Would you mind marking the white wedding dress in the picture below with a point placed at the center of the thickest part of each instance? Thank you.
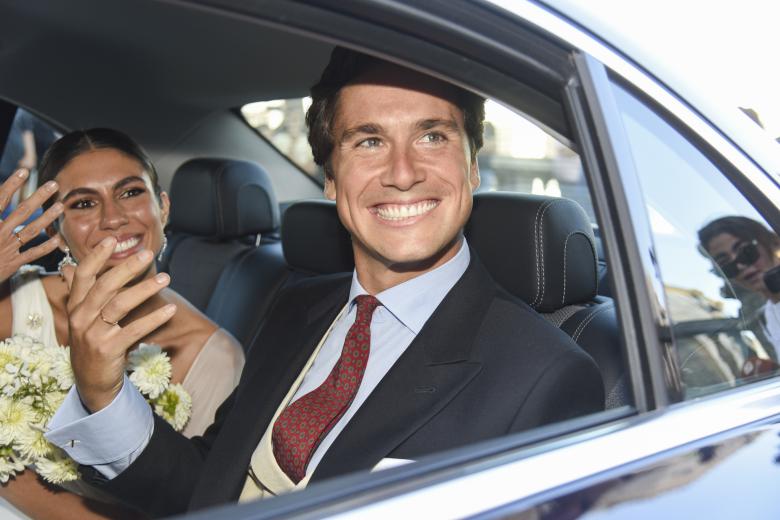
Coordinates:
(211, 378)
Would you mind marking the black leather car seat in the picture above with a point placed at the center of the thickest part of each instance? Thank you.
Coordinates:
(224, 253)
(314, 241)
(542, 250)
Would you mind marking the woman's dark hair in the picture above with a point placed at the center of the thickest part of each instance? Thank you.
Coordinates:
(344, 66)
(745, 229)
(75, 143)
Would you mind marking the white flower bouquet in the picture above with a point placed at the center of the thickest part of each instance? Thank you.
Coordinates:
(34, 380)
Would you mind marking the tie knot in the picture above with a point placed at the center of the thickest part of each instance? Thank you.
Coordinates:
(366, 305)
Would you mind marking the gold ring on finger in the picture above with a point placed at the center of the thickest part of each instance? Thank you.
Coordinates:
(107, 321)
(19, 239)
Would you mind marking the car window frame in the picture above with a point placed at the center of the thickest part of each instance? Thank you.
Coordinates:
(616, 191)
(761, 201)
(664, 386)
(600, 65)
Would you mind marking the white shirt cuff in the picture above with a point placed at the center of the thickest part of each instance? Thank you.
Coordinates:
(111, 439)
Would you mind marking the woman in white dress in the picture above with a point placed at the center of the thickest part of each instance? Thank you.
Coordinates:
(106, 211)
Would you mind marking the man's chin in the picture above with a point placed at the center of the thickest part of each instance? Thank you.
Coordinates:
(419, 261)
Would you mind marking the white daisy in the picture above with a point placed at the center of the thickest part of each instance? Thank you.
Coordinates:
(32, 445)
(10, 464)
(174, 405)
(62, 371)
(150, 369)
(57, 468)
(15, 419)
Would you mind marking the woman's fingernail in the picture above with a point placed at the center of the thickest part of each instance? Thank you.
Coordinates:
(22, 173)
(108, 242)
(51, 186)
(162, 278)
(57, 207)
(169, 309)
(145, 255)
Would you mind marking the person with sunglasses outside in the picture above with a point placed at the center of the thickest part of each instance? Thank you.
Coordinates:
(744, 250)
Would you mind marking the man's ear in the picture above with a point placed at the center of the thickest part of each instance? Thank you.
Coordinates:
(474, 179)
(330, 188)
(165, 208)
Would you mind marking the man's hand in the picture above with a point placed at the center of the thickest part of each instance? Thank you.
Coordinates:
(96, 306)
(11, 242)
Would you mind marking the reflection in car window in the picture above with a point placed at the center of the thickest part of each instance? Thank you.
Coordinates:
(517, 155)
(713, 248)
(28, 138)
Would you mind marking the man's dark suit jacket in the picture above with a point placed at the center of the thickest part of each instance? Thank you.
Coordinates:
(484, 365)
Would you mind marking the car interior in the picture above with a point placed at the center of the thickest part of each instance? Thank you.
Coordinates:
(246, 221)
(212, 91)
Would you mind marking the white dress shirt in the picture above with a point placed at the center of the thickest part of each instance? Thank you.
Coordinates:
(112, 438)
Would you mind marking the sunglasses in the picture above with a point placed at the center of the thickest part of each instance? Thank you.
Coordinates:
(745, 255)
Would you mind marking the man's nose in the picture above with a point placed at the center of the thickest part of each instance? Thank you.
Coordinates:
(402, 172)
(113, 216)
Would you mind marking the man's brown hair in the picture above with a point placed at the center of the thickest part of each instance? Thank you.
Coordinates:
(345, 66)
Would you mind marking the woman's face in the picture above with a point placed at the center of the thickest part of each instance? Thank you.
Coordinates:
(726, 248)
(107, 193)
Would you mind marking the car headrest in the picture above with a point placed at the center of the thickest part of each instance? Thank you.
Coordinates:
(314, 240)
(223, 198)
(540, 249)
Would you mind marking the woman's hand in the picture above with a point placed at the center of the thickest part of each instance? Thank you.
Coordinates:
(96, 306)
(11, 242)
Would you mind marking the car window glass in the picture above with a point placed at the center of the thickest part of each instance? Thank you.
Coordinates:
(713, 249)
(517, 155)
(28, 138)
(283, 123)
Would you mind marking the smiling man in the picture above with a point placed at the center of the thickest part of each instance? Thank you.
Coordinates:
(416, 352)
(402, 171)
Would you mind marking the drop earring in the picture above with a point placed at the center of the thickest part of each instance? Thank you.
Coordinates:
(67, 260)
(161, 254)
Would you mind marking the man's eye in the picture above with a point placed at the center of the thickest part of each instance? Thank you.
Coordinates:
(434, 137)
(371, 142)
(83, 204)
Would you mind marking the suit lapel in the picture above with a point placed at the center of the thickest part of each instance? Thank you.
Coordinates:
(435, 367)
(286, 347)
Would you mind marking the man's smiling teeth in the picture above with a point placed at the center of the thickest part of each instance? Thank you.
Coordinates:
(127, 244)
(402, 211)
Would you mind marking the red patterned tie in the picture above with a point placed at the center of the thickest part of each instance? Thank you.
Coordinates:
(302, 425)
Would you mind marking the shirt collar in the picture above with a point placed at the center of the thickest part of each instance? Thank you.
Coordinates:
(413, 301)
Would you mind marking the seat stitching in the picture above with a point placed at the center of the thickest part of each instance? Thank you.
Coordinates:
(565, 245)
(592, 243)
(536, 253)
(578, 331)
(538, 223)
(541, 234)
(584, 324)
